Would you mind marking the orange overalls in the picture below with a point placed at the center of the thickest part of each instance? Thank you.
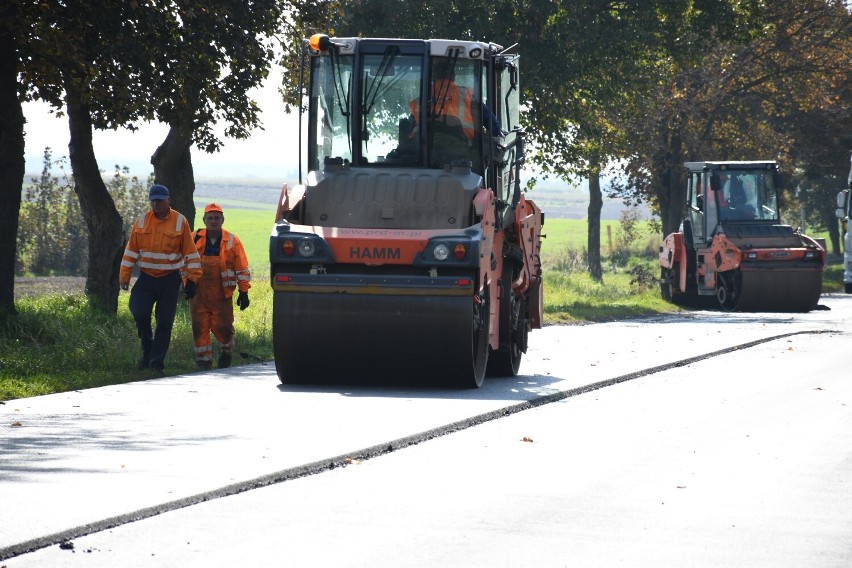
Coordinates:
(211, 311)
(212, 308)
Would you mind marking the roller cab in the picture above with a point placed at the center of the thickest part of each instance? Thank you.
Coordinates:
(732, 245)
(409, 252)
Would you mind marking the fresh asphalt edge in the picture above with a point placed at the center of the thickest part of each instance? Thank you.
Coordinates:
(65, 537)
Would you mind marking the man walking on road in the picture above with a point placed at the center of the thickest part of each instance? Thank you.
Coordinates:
(224, 269)
(160, 243)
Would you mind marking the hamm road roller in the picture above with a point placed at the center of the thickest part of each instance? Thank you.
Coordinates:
(410, 251)
(732, 245)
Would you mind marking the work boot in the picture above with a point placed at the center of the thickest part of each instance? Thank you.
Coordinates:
(204, 365)
(224, 360)
(158, 369)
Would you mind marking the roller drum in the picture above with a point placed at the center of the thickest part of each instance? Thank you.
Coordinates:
(365, 338)
(779, 291)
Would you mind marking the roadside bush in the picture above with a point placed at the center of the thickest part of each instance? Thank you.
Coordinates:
(53, 237)
(568, 260)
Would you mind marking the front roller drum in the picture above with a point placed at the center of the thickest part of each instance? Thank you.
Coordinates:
(770, 290)
(380, 339)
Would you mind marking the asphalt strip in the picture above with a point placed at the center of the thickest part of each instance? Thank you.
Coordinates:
(64, 537)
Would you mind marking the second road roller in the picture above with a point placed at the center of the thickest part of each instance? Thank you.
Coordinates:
(410, 252)
(733, 246)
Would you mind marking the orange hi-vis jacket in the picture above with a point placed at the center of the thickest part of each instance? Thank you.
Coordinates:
(160, 247)
(448, 99)
(233, 263)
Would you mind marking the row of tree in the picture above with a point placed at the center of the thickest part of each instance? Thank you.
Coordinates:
(636, 86)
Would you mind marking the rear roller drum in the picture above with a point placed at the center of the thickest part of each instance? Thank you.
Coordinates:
(479, 344)
(669, 290)
(506, 361)
(666, 280)
(729, 290)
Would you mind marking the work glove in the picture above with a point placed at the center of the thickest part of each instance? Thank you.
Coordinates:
(189, 290)
(242, 300)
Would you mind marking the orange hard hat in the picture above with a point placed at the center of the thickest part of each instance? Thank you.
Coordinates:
(213, 207)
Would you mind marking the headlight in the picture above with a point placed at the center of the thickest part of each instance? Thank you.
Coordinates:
(307, 248)
(441, 251)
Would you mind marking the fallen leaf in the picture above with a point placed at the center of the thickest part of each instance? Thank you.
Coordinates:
(16, 425)
(526, 439)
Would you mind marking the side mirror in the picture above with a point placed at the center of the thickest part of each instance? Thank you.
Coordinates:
(841, 198)
(839, 213)
(779, 181)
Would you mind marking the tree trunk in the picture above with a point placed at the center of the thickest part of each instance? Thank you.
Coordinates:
(106, 237)
(668, 176)
(594, 237)
(12, 161)
(173, 168)
(830, 221)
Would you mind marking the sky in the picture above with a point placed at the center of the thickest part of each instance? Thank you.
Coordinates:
(268, 154)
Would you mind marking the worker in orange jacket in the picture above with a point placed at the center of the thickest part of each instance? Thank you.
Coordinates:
(161, 245)
(224, 269)
(448, 100)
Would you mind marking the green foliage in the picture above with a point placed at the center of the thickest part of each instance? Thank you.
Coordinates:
(575, 297)
(832, 278)
(58, 343)
(774, 84)
(633, 238)
(130, 195)
(52, 233)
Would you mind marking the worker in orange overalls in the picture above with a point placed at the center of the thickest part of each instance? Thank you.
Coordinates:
(161, 245)
(224, 269)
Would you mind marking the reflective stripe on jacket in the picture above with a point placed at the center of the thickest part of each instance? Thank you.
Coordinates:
(160, 247)
(233, 263)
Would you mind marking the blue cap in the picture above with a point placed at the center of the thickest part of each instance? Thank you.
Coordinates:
(158, 193)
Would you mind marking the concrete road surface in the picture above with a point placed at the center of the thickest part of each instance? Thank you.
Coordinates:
(671, 458)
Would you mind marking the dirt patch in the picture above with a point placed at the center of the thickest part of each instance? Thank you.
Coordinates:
(41, 285)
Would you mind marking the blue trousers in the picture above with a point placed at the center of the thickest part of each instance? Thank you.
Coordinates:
(158, 296)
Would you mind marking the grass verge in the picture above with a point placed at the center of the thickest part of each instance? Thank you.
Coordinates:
(57, 343)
